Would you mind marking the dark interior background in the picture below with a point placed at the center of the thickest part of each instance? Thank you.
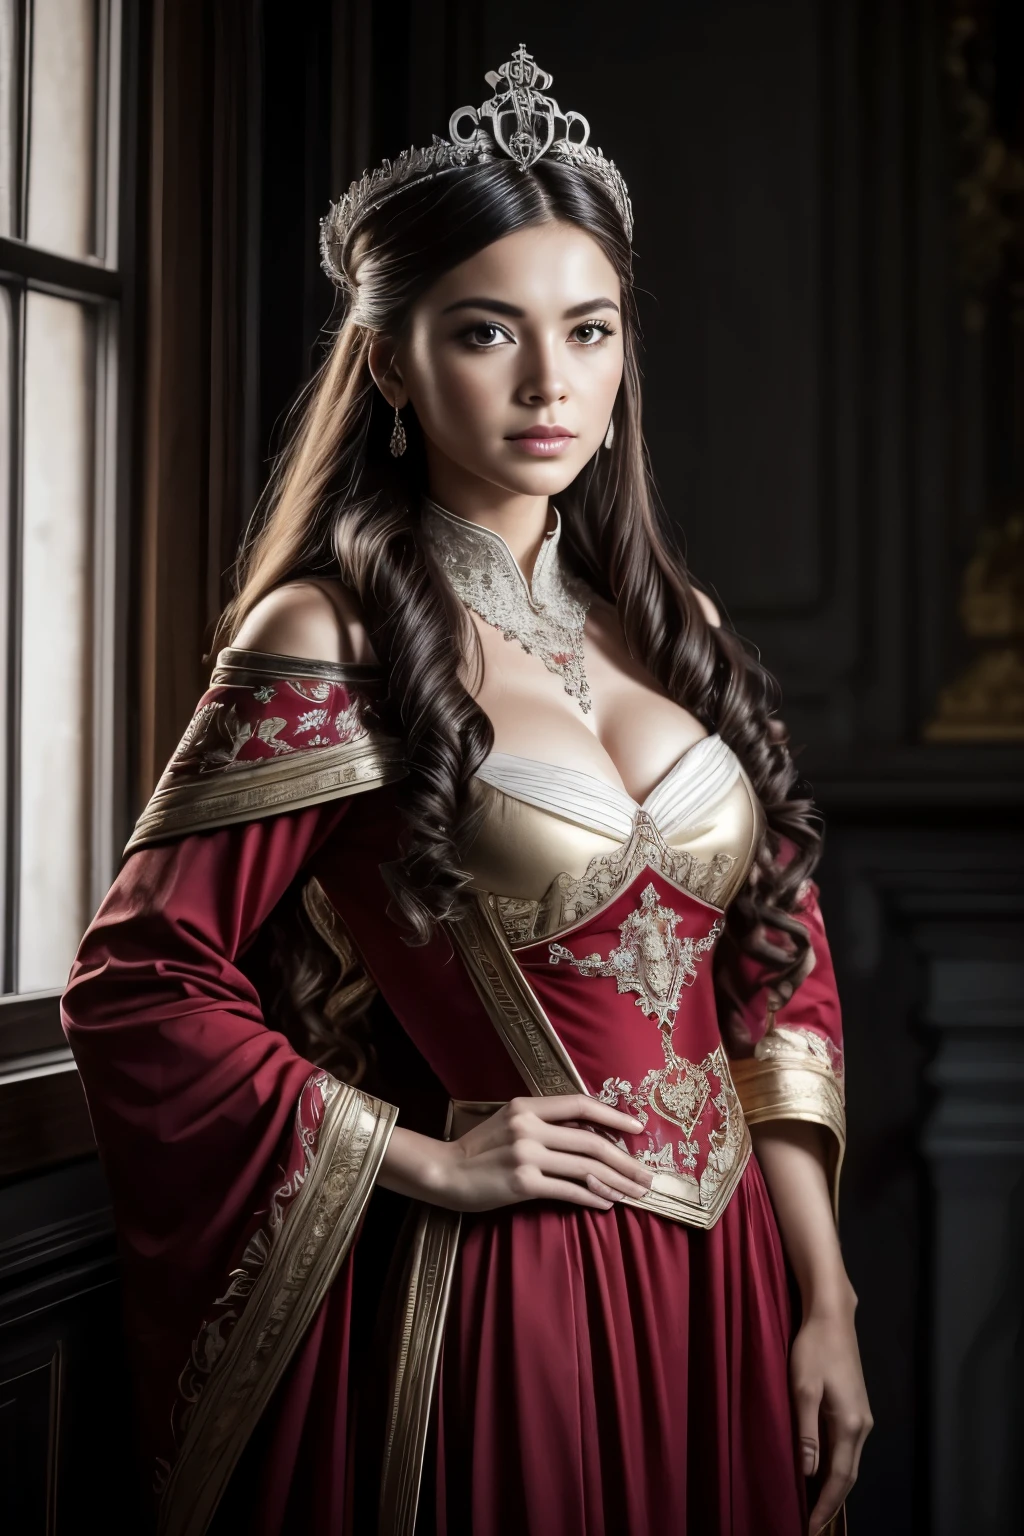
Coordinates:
(831, 276)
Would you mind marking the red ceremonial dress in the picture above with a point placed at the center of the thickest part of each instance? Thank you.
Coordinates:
(314, 1356)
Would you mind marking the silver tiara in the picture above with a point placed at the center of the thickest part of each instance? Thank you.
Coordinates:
(524, 125)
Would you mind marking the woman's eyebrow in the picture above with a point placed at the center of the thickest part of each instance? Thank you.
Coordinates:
(579, 310)
(513, 312)
(498, 306)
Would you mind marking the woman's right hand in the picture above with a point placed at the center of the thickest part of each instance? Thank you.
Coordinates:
(535, 1149)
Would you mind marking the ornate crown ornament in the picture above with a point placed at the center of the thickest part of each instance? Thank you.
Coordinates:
(518, 120)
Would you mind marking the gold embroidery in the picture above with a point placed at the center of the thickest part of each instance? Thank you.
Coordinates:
(211, 782)
(797, 1074)
(287, 782)
(289, 1276)
(780, 1039)
(680, 1092)
(511, 1003)
(657, 963)
(425, 1289)
(349, 722)
(269, 730)
(314, 692)
(251, 669)
(546, 1067)
(213, 739)
(312, 719)
(430, 1238)
(652, 958)
(569, 898)
(212, 1338)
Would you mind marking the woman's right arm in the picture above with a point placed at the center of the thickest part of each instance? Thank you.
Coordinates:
(531, 1149)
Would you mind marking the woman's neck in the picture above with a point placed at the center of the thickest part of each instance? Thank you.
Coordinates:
(522, 521)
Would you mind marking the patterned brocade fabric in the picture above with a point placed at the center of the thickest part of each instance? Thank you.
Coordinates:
(272, 733)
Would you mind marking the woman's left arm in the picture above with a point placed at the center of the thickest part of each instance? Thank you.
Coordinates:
(825, 1371)
(788, 1068)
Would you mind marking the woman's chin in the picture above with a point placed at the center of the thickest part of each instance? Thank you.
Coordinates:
(538, 477)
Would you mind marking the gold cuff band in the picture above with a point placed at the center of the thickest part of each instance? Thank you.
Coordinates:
(789, 1078)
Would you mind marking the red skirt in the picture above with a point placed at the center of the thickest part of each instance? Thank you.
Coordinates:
(603, 1373)
(616, 1374)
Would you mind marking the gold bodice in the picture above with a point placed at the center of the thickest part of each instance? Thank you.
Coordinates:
(556, 843)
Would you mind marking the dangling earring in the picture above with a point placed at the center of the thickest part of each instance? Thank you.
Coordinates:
(399, 442)
(609, 436)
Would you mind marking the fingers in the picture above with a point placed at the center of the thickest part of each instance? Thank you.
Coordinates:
(585, 1144)
(548, 1155)
(846, 1437)
(807, 1401)
(565, 1165)
(577, 1106)
(528, 1182)
(575, 1194)
(830, 1499)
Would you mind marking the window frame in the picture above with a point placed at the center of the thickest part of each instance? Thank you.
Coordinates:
(32, 1042)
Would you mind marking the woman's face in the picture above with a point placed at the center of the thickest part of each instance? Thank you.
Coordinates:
(512, 362)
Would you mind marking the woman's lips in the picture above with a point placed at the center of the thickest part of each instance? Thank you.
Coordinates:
(542, 442)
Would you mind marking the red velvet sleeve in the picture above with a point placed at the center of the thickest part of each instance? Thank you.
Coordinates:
(238, 1170)
(788, 1056)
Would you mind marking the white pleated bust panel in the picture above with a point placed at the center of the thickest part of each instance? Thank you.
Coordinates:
(689, 792)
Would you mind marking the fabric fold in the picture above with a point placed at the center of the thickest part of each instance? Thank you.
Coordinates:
(238, 1170)
(696, 783)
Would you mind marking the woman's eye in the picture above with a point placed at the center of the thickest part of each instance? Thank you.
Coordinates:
(591, 332)
(486, 334)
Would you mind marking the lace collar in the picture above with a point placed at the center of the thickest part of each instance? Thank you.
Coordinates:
(545, 615)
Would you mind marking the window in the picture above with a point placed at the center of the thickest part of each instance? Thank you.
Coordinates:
(63, 215)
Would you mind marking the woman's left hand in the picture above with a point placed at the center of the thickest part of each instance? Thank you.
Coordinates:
(828, 1390)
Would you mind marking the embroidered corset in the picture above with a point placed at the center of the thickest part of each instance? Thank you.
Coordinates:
(610, 911)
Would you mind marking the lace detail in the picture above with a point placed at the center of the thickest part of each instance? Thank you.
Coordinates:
(571, 898)
(652, 960)
(546, 617)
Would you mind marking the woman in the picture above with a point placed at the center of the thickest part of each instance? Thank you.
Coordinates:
(480, 797)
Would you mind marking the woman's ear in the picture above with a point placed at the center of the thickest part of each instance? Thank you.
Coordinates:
(385, 371)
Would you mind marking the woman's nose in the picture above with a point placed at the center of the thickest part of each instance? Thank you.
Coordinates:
(543, 382)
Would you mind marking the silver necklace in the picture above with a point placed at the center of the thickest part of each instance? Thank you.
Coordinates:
(546, 615)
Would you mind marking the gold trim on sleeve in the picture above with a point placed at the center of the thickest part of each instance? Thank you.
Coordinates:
(280, 783)
(315, 1239)
(796, 1074)
(246, 668)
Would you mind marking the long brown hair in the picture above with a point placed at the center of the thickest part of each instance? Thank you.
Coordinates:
(339, 505)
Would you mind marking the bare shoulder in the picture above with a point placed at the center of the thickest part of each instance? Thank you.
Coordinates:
(711, 613)
(315, 618)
